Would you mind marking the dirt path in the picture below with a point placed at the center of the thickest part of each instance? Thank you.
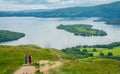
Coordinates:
(47, 65)
(26, 70)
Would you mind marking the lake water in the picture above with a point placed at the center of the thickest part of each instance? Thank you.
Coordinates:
(43, 32)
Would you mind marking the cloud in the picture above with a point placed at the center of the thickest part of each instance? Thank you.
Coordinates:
(14, 7)
(53, 1)
(48, 4)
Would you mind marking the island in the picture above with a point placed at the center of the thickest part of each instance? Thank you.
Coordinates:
(6, 35)
(82, 30)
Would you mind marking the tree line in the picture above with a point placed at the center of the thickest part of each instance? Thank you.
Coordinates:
(77, 53)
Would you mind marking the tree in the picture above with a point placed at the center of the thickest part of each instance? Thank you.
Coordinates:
(110, 46)
(110, 54)
(84, 51)
(91, 54)
(94, 50)
(101, 54)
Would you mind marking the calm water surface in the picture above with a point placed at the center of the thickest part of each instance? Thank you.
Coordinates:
(43, 32)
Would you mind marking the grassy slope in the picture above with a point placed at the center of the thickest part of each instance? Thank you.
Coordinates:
(89, 66)
(115, 51)
(11, 57)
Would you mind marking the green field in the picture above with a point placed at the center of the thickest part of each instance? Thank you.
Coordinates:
(12, 57)
(89, 66)
(115, 51)
(82, 30)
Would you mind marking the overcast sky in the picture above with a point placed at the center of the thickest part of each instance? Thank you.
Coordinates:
(48, 4)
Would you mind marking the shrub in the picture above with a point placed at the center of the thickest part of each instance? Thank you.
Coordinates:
(102, 54)
(91, 54)
(110, 54)
(84, 51)
(94, 50)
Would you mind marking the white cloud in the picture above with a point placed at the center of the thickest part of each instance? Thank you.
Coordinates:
(53, 1)
(14, 7)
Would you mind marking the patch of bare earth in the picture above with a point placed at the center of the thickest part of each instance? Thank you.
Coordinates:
(46, 65)
(26, 69)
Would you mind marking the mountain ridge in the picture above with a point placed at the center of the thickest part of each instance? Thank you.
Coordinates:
(111, 10)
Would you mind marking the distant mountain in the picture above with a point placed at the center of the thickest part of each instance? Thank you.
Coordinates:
(111, 10)
(36, 10)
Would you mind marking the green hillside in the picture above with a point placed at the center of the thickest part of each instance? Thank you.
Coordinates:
(6, 35)
(89, 66)
(11, 57)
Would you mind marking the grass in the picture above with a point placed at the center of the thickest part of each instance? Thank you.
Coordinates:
(115, 51)
(12, 57)
(89, 66)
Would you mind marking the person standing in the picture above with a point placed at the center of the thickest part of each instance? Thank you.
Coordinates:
(30, 59)
(26, 58)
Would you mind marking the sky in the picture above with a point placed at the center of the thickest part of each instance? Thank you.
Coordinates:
(7, 5)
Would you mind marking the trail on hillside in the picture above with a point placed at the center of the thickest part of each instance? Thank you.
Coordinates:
(26, 69)
(45, 66)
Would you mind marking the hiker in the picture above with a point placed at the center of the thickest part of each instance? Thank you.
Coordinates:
(26, 58)
(30, 58)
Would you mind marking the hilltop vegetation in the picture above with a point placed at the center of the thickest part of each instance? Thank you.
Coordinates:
(11, 57)
(82, 30)
(89, 66)
(6, 35)
(96, 59)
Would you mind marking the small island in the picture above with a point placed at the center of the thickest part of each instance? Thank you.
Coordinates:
(6, 35)
(82, 30)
